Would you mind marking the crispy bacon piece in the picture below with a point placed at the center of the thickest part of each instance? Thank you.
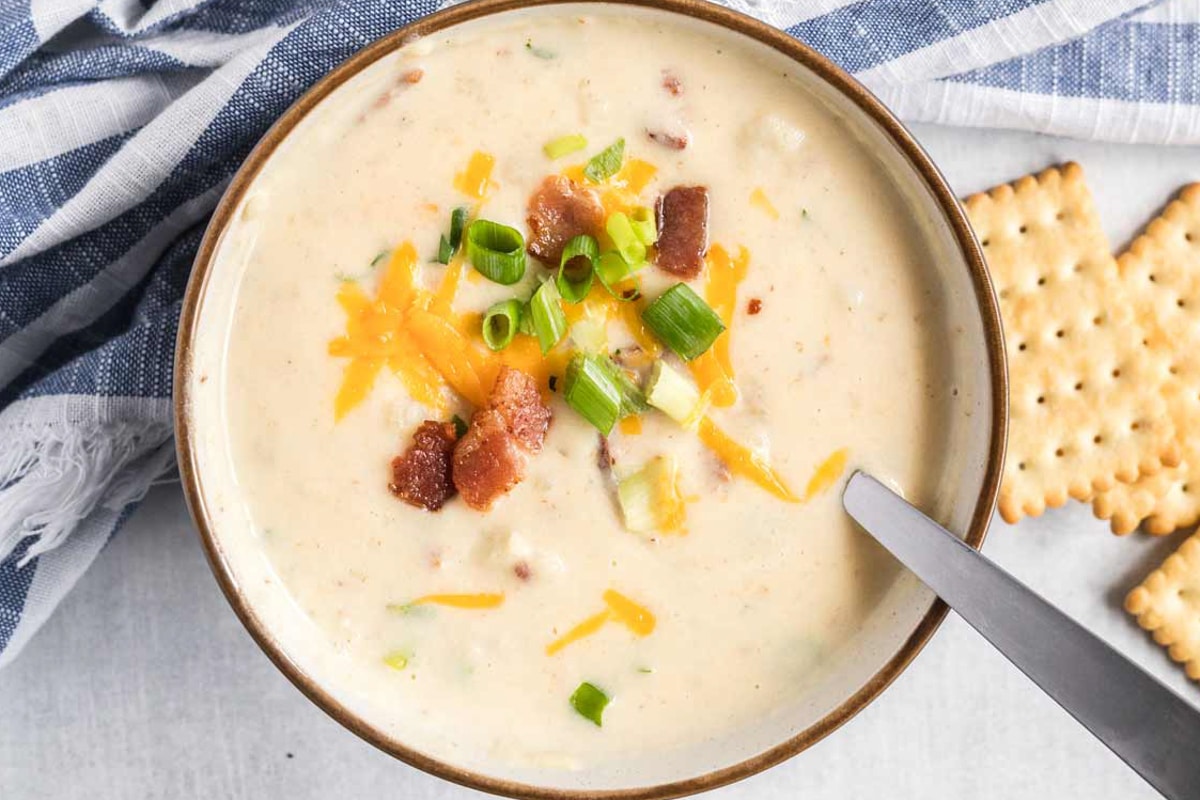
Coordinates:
(421, 476)
(515, 396)
(522, 571)
(604, 456)
(671, 82)
(487, 461)
(558, 210)
(672, 141)
(413, 76)
(754, 306)
(683, 230)
(490, 459)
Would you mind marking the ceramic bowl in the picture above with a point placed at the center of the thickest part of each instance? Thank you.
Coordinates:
(907, 615)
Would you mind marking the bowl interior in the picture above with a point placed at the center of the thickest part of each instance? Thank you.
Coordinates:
(966, 457)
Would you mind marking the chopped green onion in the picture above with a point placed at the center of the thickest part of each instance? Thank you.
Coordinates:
(612, 271)
(589, 702)
(460, 426)
(397, 659)
(564, 145)
(671, 393)
(646, 670)
(650, 499)
(525, 326)
(633, 401)
(620, 230)
(501, 323)
(592, 392)
(538, 52)
(380, 256)
(448, 245)
(683, 321)
(606, 163)
(458, 221)
(549, 321)
(574, 279)
(496, 251)
(644, 225)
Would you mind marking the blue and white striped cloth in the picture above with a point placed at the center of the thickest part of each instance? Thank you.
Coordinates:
(121, 121)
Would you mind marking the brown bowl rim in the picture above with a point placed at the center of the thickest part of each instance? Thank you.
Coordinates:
(731, 20)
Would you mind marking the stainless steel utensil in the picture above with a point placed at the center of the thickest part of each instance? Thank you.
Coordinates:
(1152, 729)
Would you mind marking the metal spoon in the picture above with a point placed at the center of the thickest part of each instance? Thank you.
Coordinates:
(1152, 729)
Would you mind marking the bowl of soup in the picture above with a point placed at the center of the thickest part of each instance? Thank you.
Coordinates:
(522, 367)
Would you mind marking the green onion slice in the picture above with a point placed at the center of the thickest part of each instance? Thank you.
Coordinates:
(458, 221)
(606, 163)
(564, 145)
(380, 256)
(574, 279)
(633, 401)
(525, 326)
(672, 393)
(644, 225)
(496, 251)
(621, 231)
(501, 323)
(445, 251)
(592, 392)
(549, 321)
(397, 659)
(649, 498)
(589, 702)
(683, 321)
(615, 275)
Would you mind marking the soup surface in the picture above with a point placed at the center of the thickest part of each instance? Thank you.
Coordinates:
(690, 597)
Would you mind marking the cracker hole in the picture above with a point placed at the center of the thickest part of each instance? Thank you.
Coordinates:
(1181, 303)
(1116, 373)
(1183, 488)
(1060, 216)
(1041, 399)
(1021, 347)
(1097, 321)
(1042, 281)
(1059, 453)
(1023, 229)
(986, 242)
(1079, 387)
(1174, 370)
(1134, 426)
(1187, 236)
(1152, 278)
(1060, 333)
(1077, 268)
(1097, 439)
(1021, 466)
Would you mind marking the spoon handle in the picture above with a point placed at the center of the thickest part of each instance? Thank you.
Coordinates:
(1152, 729)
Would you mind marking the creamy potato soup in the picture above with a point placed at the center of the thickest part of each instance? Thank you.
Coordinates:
(550, 345)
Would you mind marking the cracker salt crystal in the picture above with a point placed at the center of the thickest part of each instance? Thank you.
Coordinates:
(1161, 271)
(1086, 408)
(1168, 605)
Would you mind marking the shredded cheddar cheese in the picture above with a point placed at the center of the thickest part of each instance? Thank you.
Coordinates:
(759, 199)
(713, 370)
(630, 426)
(618, 608)
(481, 600)
(827, 473)
(476, 179)
(744, 461)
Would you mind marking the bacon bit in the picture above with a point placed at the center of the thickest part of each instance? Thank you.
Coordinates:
(490, 459)
(669, 140)
(522, 571)
(515, 396)
(604, 457)
(421, 476)
(682, 231)
(558, 210)
(413, 76)
(487, 461)
(671, 82)
(754, 306)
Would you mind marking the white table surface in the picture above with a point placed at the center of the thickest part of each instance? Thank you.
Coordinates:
(144, 684)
